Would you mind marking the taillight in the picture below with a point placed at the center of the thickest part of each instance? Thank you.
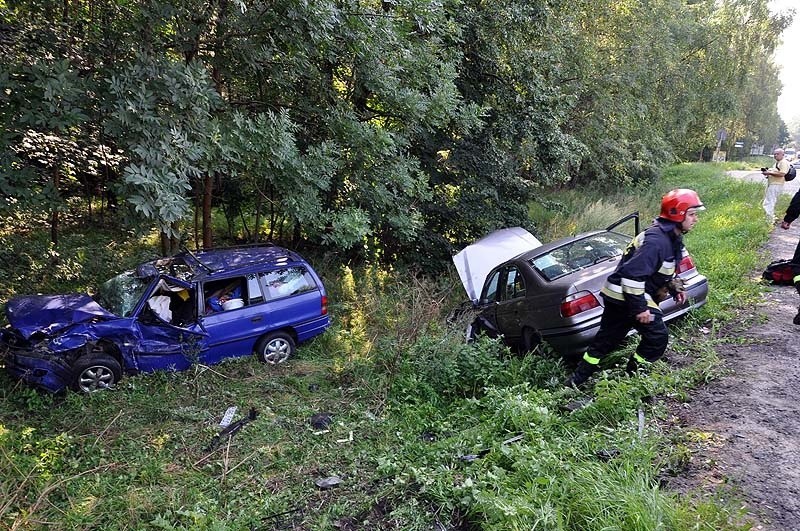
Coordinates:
(583, 301)
(686, 264)
(324, 305)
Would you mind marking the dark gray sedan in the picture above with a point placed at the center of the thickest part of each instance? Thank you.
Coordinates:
(526, 292)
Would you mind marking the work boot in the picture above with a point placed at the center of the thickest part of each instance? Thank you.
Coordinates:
(796, 319)
(582, 373)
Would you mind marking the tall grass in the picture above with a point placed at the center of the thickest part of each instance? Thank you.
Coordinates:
(425, 433)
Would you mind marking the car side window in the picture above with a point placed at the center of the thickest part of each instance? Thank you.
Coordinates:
(226, 294)
(287, 281)
(254, 290)
(515, 284)
(490, 289)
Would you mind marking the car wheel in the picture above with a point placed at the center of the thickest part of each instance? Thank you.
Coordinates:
(275, 348)
(530, 340)
(95, 373)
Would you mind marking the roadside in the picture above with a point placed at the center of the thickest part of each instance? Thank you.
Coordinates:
(756, 177)
(745, 425)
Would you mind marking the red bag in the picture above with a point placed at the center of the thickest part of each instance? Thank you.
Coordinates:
(781, 272)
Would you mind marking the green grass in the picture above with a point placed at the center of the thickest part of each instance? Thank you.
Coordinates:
(409, 401)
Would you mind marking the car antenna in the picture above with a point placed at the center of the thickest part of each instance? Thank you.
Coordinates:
(190, 253)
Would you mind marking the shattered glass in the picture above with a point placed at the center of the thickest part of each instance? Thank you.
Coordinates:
(120, 294)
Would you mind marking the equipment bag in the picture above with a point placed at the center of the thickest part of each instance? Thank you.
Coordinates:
(781, 272)
(791, 174)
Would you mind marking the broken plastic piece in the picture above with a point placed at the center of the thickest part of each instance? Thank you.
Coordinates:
(227, 417)
(329, 482)
(232, 430)
(320, 421)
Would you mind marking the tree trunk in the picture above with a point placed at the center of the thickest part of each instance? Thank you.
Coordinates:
(54, 209)
(207, 189)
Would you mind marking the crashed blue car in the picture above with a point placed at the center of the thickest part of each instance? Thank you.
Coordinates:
(168, 314)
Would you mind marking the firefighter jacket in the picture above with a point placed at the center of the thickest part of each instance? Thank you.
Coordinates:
(648, 264)
(793, 211)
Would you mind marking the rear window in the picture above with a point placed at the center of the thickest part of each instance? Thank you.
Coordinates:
(580, 254)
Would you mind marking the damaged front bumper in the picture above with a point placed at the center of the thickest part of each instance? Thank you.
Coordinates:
(36, 366)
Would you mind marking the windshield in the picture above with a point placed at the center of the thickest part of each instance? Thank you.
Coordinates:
(120, 294)
(579, 254)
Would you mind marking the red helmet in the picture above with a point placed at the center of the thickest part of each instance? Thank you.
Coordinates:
(675, 204)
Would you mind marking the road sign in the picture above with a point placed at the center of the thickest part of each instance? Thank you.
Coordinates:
(721, 135)
(738, 144)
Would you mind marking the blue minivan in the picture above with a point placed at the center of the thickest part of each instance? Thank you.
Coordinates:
(168, 314)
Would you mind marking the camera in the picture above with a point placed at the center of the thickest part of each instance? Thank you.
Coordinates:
(763, 169)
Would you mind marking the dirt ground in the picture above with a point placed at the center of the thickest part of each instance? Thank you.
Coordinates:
(747, 424)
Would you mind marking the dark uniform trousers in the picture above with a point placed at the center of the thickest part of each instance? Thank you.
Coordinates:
(615, 324)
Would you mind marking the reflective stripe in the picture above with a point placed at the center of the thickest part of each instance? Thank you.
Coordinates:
(632, 286)
(613, 291)
(616, 292)
(613, 287)
(796, 279)
(667, 268)
(590, 360)
(633, 291)
(627, 282)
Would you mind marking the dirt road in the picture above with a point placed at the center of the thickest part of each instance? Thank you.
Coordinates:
(747, 424)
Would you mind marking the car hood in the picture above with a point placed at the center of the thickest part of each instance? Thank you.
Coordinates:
(47, 314)
(475, 261)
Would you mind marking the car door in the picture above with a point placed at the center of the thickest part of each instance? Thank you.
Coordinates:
(510, 308)
(233, 332)
(487, 319)
(166, 329)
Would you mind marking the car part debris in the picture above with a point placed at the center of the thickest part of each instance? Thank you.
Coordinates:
(349, 438)
(227, 418)
(575, 405)
(321, 421)
(329, 482)
(427, 436)
(472, 457)
(607, 455)
(232, 429)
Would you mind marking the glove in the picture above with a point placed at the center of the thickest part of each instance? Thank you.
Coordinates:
(676, 285)
(670, 289)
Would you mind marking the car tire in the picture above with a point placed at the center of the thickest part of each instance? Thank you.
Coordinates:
(530, 340)
(275, 348)
(95, 372)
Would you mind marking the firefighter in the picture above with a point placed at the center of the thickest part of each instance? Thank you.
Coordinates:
(792, 213)
(632, 292)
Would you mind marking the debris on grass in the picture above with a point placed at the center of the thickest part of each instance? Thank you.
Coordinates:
(232, 429)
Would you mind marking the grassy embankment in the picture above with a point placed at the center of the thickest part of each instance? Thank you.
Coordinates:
(408, 401)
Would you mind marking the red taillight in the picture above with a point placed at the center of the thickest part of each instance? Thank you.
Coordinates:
(686, 264)
(324, 305)
(576, 303)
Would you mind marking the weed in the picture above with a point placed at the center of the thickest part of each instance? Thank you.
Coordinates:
(425, 431)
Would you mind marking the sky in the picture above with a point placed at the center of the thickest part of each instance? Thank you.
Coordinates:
(787, 56)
